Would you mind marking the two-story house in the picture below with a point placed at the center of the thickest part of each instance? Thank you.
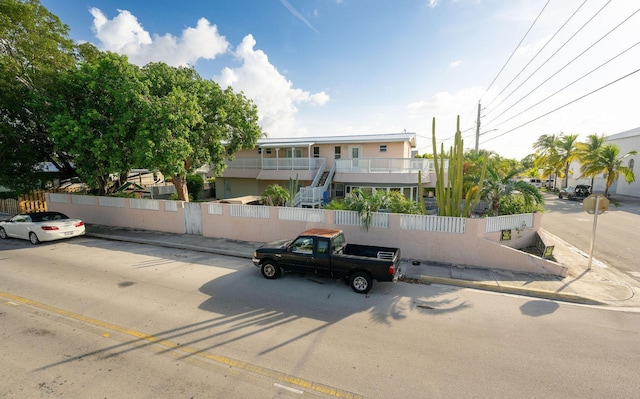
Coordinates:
(328, 167)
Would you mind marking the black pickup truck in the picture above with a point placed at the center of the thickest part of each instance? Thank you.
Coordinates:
(325, 252)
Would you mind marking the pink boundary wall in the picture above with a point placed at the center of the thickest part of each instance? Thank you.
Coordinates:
(474, 247)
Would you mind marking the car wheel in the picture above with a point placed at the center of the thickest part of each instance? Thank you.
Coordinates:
(34, 238)
(3, 234)
(360, 282)
(270, 270)
(560, 196)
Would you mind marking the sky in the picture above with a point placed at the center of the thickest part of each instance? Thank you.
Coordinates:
(350, 67)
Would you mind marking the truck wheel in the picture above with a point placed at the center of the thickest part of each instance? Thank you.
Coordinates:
(360, 282)
(270, 270)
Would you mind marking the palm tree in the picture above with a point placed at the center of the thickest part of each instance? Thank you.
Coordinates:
(567, 152)
(546, 157)
(366, 204)
(496, 187)
(276, 195)
(607, 160)
(588, 153)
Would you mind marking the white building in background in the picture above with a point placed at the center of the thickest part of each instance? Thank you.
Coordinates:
(626, 141)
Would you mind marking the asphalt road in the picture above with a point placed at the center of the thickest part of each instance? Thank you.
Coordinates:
(617, 232)
(96, 318)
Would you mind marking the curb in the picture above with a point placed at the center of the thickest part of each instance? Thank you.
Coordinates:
(573, 298)
(196, 248)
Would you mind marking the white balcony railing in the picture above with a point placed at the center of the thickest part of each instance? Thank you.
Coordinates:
(385, 165)
(276, 163)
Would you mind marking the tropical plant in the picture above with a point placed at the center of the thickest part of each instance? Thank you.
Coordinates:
(567, 152)
(276, 195)
(609, 162)
(450, 193)
(498, 188)
(366, 204)
(588, 153)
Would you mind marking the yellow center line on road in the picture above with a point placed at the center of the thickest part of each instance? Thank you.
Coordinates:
(223, 360)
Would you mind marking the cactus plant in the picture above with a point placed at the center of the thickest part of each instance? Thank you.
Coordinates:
(449, 193)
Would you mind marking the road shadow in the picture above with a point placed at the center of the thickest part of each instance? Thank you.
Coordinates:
(537, 308)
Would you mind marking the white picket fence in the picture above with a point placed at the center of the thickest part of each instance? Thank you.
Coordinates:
(509, 222)
(443, 224)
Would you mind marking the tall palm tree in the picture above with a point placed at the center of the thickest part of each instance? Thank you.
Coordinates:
(546, 157)
(609, 162)
(588, 153)
(567, 152)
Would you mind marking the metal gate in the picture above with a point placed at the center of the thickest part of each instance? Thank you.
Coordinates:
(192, 218)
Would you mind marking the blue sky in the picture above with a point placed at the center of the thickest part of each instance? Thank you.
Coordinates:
(338, 67)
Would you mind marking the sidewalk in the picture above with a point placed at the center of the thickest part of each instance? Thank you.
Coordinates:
(601, 285)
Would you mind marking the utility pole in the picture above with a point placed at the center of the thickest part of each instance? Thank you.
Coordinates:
(478, 129)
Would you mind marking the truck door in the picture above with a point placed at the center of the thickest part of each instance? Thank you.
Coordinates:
(299, 256)
(323, 257)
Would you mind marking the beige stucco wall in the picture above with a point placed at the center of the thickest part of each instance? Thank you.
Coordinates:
(474, 247)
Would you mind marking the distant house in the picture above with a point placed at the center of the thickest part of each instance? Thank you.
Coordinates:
(626, 141)
(328, 167)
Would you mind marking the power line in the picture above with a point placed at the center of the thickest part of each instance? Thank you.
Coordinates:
(536, 55)
(566, 65)
(562, 106)
(570, 84)
(516, 49)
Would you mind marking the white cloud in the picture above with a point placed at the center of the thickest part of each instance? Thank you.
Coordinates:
(275, 96)
(433, 3)
(125, 35)
(455, 64)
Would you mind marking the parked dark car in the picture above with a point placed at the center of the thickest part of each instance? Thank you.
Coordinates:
(578, 192)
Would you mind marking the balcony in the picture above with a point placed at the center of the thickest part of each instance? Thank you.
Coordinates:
(276, 163)
(386, 165)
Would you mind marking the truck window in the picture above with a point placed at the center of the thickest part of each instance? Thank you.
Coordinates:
(303, 245)
(337, 243)
(323, 246)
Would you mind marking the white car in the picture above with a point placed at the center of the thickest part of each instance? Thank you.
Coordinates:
(41, 226)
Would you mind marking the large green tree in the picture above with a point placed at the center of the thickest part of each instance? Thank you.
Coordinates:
(34, 48)
(190, 122)
(97, 117)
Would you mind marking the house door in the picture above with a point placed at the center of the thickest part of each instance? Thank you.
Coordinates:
(356, 152)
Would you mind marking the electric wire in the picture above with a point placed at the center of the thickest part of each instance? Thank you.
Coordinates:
(516, 49)
(562, 106)
(570, 84)
(549, 58)
(535, 56)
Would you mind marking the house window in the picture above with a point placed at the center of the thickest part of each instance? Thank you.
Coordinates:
(294, 152)
(339, 190)
(268, 150)
(355, 152)
(336, 152)
(259, 150)
(316, 152)
(383, 148)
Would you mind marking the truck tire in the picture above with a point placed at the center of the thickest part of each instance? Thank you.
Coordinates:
(360, 282)
(270, 270)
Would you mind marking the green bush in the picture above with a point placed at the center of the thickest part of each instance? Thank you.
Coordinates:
(195, 184)
(515, 204)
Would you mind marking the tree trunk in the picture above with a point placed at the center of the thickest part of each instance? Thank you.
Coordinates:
(180, 182)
